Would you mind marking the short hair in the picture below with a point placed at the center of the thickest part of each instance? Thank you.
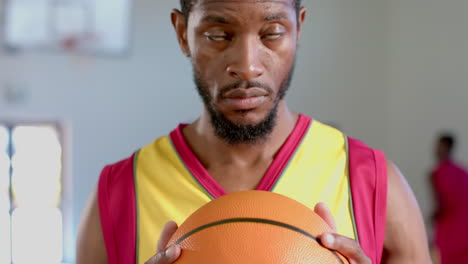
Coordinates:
(186, 6)
(448, 139)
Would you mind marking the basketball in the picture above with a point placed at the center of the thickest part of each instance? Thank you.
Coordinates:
(252, 227)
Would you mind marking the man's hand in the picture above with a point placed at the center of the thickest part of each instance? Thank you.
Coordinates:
(347, 247)
(166, 255)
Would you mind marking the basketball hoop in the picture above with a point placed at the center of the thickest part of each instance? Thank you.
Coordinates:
(76, 46)
(75, 43)
(70, 44)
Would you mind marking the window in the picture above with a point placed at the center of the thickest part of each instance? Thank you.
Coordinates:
(31, 176)
(5, 241)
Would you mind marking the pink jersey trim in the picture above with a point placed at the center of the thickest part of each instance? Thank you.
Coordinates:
(271, 176)
(285, 154)
(117, 210)
(368, 178)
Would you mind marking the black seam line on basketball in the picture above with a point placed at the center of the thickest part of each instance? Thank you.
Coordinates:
(254, 220)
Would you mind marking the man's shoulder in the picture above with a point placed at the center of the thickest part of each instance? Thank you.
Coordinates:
(118, 171)
(336, 136)
(450, 167)
(325, 137)
(114, 171)
(326, 128)
(358, 144)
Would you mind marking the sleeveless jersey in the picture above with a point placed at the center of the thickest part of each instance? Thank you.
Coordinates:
(165, 181)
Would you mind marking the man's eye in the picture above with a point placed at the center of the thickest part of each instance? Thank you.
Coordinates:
(217, 38)
(272, 36)
(216, 35)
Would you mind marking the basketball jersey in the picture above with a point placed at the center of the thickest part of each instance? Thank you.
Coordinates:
(168, 182)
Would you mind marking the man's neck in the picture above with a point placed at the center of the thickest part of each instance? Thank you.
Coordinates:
(214, 151)
(444, 161)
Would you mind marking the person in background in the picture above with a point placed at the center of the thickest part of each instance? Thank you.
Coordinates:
(450, 184)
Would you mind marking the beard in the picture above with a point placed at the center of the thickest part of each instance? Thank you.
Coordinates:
(236, 134)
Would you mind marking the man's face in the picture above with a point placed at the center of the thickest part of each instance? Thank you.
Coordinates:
(243, 53)
(442, 150)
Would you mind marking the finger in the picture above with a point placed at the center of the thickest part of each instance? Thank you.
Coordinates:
(166, 234)
(167, 256)
(345, 246)
(322, 210)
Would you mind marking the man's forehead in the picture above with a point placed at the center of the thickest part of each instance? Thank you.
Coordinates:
(240, 11)
(202, 3)
(223, 7)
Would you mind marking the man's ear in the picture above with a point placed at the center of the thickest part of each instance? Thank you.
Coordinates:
(300, 21)
(179, 22)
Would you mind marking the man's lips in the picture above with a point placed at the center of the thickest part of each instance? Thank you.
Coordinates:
(245, 93)
(245, 98)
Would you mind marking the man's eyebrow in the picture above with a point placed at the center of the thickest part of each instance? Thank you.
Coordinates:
(278, 16)
(215, 19)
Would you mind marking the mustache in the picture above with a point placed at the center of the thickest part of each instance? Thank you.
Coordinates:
(245, 85)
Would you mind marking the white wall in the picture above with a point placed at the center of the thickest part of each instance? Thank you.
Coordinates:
(428, 74)
(341, 76)
(372, 67)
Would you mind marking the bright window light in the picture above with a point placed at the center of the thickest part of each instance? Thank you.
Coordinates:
(31, 222)
(5, 239)
(39, 241)
(37, 165)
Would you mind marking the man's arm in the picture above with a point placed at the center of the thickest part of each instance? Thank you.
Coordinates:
(405, 236)
(437, 211)
(90, 243)
(405, 239)
(92, 250)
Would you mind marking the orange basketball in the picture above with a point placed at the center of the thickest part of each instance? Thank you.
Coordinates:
(253, 227)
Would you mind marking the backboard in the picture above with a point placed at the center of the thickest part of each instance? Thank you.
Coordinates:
(100, 27)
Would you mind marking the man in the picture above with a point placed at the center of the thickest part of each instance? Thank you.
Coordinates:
(243, 54)
(450, 183)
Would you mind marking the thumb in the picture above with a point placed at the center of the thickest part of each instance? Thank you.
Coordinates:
(167, 256)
